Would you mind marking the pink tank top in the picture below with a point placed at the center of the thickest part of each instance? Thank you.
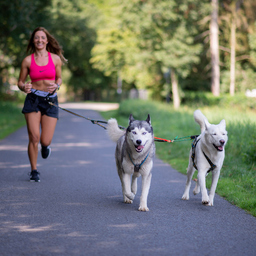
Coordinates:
(46, 72)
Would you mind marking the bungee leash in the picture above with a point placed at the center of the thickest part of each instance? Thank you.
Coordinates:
(176, 139)
(100, 122)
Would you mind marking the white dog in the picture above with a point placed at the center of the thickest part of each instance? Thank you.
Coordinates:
(134, 154)
(207, 154)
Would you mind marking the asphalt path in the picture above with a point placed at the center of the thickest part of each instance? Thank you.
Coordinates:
(77, 208)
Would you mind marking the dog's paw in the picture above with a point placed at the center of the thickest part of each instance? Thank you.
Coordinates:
(210, 203)
(128, 201)
(185, 197)
(130, 196)
(196, 190)
(205, 199)
(143, 209)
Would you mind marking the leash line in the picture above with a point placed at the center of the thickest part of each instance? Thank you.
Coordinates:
(100, 122)
(176, 139)
(163, 140)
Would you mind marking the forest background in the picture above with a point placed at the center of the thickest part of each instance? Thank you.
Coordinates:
(169, 49)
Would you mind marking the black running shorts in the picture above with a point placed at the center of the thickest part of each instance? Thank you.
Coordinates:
(34, 103)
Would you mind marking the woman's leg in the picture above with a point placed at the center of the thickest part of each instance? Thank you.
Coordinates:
(48, 125)
(33, 125)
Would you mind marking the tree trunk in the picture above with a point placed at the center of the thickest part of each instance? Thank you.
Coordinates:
(119, 82)
(233, 50)
(214, 45)
(235, 8)
(232, 58)
(175, 90)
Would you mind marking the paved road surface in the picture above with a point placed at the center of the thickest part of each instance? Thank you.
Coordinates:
(77, 208)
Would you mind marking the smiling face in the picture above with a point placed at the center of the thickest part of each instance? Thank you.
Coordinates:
(217, 135)
(139, 135)
(40, 40)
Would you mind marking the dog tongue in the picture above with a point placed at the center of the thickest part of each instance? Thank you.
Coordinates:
(220, 148)
(140, 147)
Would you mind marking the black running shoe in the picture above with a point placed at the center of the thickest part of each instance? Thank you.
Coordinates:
(34, 176)
(45, 151)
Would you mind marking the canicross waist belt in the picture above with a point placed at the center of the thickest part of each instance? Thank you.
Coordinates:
(42, 93)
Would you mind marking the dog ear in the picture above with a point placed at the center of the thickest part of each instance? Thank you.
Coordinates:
(131, 119)
(207, 124)
(148, 119)
(223, 123)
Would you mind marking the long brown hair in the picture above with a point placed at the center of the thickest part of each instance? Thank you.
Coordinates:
(52, 46)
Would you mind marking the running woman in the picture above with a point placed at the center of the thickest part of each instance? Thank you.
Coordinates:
(43, 65)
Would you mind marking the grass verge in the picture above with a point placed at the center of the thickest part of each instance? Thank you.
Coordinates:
(11, 118)
(238, 176)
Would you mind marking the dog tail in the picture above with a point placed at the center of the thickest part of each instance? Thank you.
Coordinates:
(200, 119)
(114, 132)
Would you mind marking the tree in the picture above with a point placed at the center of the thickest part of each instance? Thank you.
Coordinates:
(153, 34)
(18, 18)
(237, 20)
(235, 6)
(75, 28)
(214, 45)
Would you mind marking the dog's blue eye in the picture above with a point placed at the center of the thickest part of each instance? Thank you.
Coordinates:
(134, 133)
(144, 133)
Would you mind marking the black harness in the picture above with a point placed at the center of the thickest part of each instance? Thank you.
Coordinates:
(193, 155)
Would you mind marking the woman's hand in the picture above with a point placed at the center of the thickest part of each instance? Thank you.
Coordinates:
(27, 87)
(53, 87)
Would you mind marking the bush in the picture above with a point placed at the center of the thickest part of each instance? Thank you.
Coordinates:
(200, 99)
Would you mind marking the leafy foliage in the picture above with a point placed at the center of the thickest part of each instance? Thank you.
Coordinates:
(76, 30)
(17, 21)
(146, 38)
(137, 41)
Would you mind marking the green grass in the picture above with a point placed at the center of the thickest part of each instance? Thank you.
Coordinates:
(238, 176)
(11, 118)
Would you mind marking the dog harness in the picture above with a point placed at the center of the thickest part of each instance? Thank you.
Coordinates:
(137, 166)
(193, 155)
(46, 72)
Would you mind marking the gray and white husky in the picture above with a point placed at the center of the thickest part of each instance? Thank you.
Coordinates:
(207, 154)
(134, 154)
